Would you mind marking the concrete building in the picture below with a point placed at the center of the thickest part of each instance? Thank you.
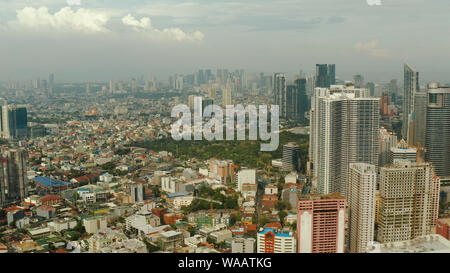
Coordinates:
(245, 176)
(221, 236)
(432, 243)
(361, 204)
(243, 245)
(409, 201)
(95, 224)
(437, 141)
(271, 241)
(344, 129)
(46, 212)
(443, 227)
(291, 154)
(13, 179)
(388, 140)
(401, 152)
(169, 240)
(321, 224)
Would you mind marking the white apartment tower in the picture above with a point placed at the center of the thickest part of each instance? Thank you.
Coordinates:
(361, 204)
(344, 129)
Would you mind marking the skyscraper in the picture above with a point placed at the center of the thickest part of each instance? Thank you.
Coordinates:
(322, 78)
(388, 140)
(13, 174)
(14, 121)
(409, 201)
(411, 87)
(325, 75)
(303, 103)
(361, 204)
(291, 153)
(321, 224)
(344, 129)
(359, 81)
(290, 102)
(280, 89)
(227, 96)
(437, 140)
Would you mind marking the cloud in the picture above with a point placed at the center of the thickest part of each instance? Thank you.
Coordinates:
(371, 48)
(83, 20)
(74, 2)
(144, 25)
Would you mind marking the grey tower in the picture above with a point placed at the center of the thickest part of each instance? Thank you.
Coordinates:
(437, 141)
(411, 86)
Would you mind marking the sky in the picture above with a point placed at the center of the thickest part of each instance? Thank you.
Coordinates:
(87, 40)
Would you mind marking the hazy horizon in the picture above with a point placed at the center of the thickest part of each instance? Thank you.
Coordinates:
(101, 40)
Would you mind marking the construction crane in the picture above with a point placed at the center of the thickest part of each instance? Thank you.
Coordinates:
(212, 208)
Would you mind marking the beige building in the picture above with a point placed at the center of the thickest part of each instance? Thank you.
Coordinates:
(409, 201)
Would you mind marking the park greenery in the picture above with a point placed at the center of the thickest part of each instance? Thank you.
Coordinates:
(245, 152)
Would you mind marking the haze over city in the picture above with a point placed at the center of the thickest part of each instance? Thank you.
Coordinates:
(100, 40)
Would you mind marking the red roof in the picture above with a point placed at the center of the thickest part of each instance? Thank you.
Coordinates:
(50, 198)
(46, 208)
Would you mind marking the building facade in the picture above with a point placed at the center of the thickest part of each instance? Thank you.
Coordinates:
(321, 224)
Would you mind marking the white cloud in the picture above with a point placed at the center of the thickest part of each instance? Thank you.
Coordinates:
(65, 19)
(144, 25)
(74, 2)
(371, 48)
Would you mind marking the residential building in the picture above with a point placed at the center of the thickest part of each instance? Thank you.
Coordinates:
(321, 223)
(361, 204)
(409, 201)
(270, 240)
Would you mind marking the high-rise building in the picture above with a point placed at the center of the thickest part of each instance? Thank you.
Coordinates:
(14, 121)
(420, 119)
(361, 204)
(437, 139)
(409, 201)
(332, 74)
(13, 175)
(138, 193)
(388, 140)
(112, 86)
(344, 129)
(280, 89)
(358, 80)
(291, 153)
(325, 75)
(402, 151)
(271, 241)
(227, 96)
(303, 102)
(411, 87)
(321, 224)
(246, 176)
(371, 87)
(290, 103)
(322, 78)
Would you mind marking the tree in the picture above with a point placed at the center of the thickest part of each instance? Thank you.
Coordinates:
(282, 215)
(263, 220)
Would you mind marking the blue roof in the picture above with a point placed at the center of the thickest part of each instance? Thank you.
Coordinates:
(50, 182)
(276, 234)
